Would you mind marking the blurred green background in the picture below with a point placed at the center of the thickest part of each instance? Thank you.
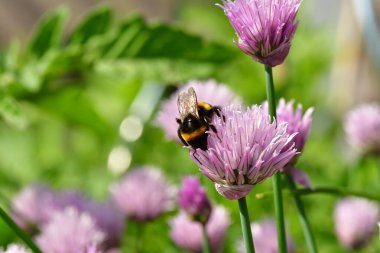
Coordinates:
(73, 87)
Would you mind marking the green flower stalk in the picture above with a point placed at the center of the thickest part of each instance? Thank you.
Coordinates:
(18, 231)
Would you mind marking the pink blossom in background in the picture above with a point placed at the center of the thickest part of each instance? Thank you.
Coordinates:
(362, 127)
(299, 123)
(264, 234)
(355, 221)
(143, 194)
(187, 234)
(193, 200)
(70, 231)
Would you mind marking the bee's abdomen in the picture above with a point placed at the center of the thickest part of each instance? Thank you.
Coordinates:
(194, 134)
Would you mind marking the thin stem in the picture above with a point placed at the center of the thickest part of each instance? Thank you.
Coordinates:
(139, 243)
(326, 190)
(246, 226)
(18, 231)
(310, 241)
(205, 242)
(277, 193)
(270, 92)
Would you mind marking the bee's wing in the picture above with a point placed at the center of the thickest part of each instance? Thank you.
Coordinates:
(187, 103)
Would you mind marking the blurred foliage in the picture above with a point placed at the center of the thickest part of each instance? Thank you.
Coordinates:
(64, 95)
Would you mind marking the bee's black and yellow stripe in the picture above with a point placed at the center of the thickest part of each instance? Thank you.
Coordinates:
(193, 129)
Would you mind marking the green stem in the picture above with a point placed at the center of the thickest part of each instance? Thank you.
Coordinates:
(326, 190)
(246, 226)
(310, 241)
(139, 237)
(205, 242)
(277, 193)
(18, 231)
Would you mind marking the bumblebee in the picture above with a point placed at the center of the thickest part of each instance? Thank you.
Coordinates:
(195, 119)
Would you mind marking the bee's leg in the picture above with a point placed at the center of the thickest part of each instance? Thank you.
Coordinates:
(180, 137)
(193, 155)
(217, 111)
(178, 121)
(213, 128)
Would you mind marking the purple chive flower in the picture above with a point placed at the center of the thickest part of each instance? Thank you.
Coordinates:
(264, 235)
(207, 91)
(193, 200)
(355, 221)
(15, 248)
(187, 234)
(299, 124)
(69, 231)
(37, 204)
(109, 219)
(362, 127)
(143, 194)
(26, 206)
(245, 149)
(265, 28)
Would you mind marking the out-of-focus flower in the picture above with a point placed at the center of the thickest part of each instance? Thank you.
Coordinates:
(143, 194)
(27, 205)
(109, 219)
(362, 127)
(15, 248)
(207, 91)
(264, 235)
(193, 199)
(187, 234)
(355, 221)
(245, 150)
(265, 29)
(69, 231)
(37, 204)
(298, 124)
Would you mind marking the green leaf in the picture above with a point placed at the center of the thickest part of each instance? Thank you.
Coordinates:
(119, 39)
(48, 32)
(162, 40)
(155, 70)
(134, 38)
(11, 112)
(97, 22)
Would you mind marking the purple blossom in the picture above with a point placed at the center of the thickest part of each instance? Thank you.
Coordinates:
(355, 221)
(70, 231)
(143, 194)
(109, 219)
(264, 28)
(37, 204)
(264, 235)
(299, 124)
(28, 204)
(362, 127)
(207, 91)
(193, 199)
(245, 150)
(187, 234)
(15, 248)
